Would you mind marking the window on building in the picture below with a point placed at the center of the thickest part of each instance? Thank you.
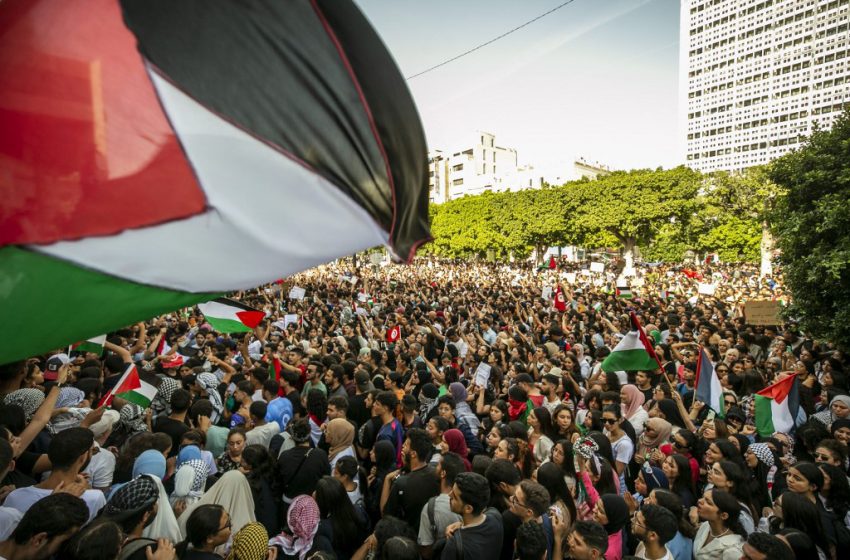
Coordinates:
(457, 182)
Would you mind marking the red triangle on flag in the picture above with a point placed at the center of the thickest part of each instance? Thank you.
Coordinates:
(250, 318)
(780, 390)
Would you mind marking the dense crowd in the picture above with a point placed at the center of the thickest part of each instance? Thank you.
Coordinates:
(439, 410)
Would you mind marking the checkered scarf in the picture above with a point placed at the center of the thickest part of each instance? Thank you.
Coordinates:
(28, 399)
(303, 521)
(161, 404)
(134, 496)
(250, 543)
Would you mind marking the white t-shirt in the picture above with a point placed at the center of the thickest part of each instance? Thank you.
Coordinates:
(23, 498)
(623, 449)
(9, 519)
(640, 552)
(101, 468)
(262, 434)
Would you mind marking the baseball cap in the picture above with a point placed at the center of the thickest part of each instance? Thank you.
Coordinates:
(363, 381)
(55, 362)
(106, 423)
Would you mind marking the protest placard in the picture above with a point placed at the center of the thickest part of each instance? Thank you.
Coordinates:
(762, 312)
(547, 292)
(707, 289)
(297, 293)
(597, 267)
(482, 374)
(289, 319)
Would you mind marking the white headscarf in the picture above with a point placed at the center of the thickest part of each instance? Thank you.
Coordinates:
(233, 493)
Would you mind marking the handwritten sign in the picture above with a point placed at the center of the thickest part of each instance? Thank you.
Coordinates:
(762, 312)
(707, 289)
(482, 374)
(297, 293)
(547, 292)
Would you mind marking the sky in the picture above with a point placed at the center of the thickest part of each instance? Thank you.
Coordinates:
(595, 79)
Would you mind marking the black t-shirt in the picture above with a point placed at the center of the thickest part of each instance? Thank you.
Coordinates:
(173, 428)
(357, 410)
(478, 542)
(410, 493)
(300, 468)
(510, 524)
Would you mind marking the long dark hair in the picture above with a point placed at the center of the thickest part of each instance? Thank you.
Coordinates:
(259, 460)
(728, 504)
(799, 513)
(551, 477)
(204, 522)
(673, 503)
(740, 488)
(838, 495)
(684, 481)
(569, 466)
(335, 505)
(544, 417)
(605, 484)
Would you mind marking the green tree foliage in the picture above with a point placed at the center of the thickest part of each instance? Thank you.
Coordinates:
(812, 227)
(632, 206)
(665, 212)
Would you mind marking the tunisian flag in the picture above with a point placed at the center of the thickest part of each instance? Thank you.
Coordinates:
(560, 301)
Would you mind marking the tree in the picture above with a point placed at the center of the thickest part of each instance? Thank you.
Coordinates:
(737, 208)
(633, 205)
(811, 223)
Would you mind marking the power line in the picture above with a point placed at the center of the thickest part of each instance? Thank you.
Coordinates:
(491, 41)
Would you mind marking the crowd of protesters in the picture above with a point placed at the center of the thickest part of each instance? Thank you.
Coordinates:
(438, 410)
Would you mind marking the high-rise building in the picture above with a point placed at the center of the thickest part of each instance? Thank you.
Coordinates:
(757, 75)
(481, 167)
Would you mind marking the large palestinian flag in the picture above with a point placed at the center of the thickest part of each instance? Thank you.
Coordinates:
(157, 154)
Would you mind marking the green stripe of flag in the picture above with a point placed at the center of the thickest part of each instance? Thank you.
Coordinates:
(227, 325)
(764, 416)
(93, 302)
(135, 398)
(629, 360)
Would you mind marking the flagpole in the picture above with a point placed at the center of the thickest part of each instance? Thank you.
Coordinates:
(651, 350)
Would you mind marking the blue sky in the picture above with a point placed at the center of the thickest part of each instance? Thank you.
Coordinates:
(597, 78)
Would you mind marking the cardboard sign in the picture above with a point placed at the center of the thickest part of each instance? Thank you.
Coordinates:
(707, 289)
(597, 267)
(762, 312)
(289, 319)
(547, 292)
(482, 374)
(297, 293)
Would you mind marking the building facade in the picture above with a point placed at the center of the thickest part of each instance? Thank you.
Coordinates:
(757, 75)
(483, 166)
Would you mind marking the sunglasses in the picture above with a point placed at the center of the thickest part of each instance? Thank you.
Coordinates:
(730, 403)
(822, 457)
(609, 420)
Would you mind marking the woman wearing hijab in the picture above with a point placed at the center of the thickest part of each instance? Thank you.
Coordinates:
(28, 399)
(339, 435)
(208, 385)
(762, 466)
(463, 412)
(656, 433)
(669, 410)
(233, 493)
(454, 441)
(300, 540)
(250, 543)
(839, 408)
(612, 513)
(631, 402)
(164, 524)
(190, 478)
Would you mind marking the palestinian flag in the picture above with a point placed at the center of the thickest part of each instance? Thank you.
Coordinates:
(394, 334)
(664, 294)
(624, 292)
(708, 388)
(131, 387)
(633, 353)
(93, 345)
(560, 302)
(229, 316)
(264, 137)
(777, 406)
